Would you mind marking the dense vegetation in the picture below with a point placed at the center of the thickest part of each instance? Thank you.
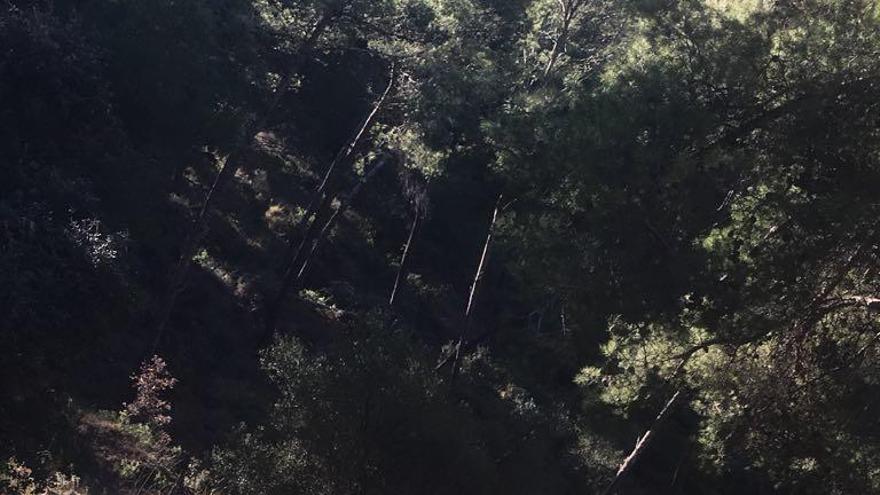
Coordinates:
(440, 246)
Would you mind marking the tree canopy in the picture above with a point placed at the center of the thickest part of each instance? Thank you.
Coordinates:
(440, 246)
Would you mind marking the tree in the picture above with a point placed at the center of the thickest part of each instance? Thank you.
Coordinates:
(775, 300)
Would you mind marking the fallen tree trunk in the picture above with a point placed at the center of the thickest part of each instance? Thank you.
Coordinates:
(343, 206)
(198, 228)
(191, 244)
(401, 269)
(298, 276)
(455, 356)
(308, 225)
(642, 444)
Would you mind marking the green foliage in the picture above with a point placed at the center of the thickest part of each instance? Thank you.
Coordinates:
(775, 271)
(690, 204)
(371, 414)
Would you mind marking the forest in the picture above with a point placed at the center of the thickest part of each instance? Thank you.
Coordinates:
(439, 247)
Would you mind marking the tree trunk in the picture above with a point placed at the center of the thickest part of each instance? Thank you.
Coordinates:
(343, 207)
(644, 441)
(568, 9)
(454, 357)
(191, 243)
(320, 198)
(401, 269)
(197, 231)
(299, 271)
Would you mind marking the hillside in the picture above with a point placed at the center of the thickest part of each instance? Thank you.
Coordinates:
(439, 247)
